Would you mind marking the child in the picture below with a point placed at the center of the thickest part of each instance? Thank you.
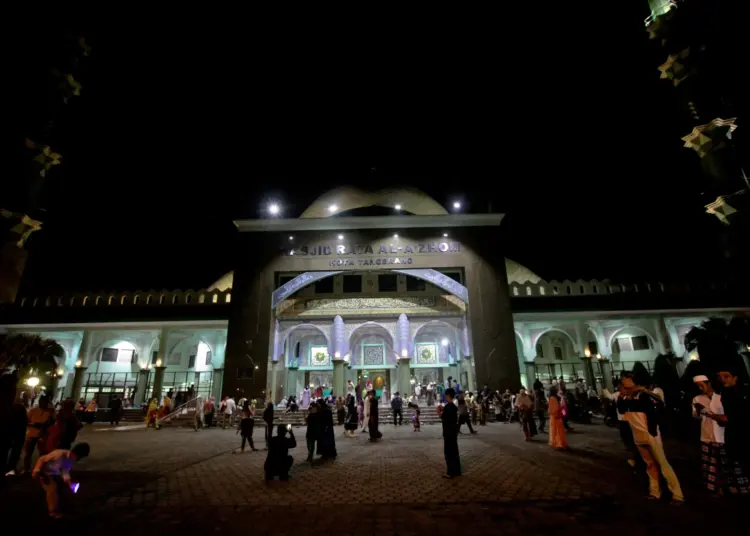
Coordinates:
(439, 410)
(53, 471)
(415, 421)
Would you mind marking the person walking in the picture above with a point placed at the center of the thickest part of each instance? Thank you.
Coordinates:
(63, 433)
(230, 408)
(397, 406)
(449, 420)
(208, 411)
(312, 420)
(351, 416)
(556, 426)
(340, 410)
(540, 404)
(638, 408)
(268, 419)
(415, 421)
(464, 415)
(247, 425)
(372, 425)
(198, 417)
(326, 439)
(115, 411)
(525, 413)
(366, 407)
(278, 460)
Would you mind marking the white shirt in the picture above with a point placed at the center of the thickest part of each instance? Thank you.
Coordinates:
(711, 432)
(231, 406)
(614, 398)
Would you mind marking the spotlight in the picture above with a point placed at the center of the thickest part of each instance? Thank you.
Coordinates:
(445, 235)
(397, 207)
(395, 236)
(333, 208)
(274, 209)
(445, 342)
(456, 204)
(341, 237)
(291, 238)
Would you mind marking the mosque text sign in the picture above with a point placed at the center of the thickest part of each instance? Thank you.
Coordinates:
(374, 255)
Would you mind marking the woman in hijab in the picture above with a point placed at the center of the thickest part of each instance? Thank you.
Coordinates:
(351, 416)
(340, 410)
(151, 413)
(372, 400)
(326, 441)
(556, 426)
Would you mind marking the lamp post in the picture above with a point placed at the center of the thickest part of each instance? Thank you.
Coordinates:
(591, 379)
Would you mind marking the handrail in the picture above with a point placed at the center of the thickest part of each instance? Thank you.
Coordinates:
(179, 409)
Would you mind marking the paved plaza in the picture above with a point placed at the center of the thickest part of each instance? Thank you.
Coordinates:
(149, 481)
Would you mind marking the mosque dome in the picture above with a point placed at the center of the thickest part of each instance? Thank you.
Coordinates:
(347, 198)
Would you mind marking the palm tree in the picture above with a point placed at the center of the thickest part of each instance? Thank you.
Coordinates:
(719, 342)
(20, 354)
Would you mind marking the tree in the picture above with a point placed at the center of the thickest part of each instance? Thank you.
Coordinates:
(21, 350)
(719, 343)
(20, 353)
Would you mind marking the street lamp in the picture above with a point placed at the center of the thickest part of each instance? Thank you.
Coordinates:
(274, 209)
(32, 382)
(587, 353)
(445, 342)
(456, 205)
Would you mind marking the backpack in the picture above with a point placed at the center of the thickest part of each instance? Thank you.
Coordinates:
(660, 408)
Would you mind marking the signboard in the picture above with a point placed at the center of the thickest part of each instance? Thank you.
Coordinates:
(373, 255)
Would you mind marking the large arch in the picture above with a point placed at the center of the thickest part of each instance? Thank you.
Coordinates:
(539, 336)
(365, 348)
(444, 351)
(633, 328)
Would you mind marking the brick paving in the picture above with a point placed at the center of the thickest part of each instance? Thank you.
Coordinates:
(147, 481)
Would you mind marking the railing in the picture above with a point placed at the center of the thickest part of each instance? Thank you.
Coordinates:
(182, 409)
(151, 298)
(551, 289)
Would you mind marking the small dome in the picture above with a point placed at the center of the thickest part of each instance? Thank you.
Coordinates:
(517, 273)
(411, 200)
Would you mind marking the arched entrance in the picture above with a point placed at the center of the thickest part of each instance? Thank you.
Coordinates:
(372, 357)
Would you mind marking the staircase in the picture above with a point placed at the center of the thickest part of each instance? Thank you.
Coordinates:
(428, 415)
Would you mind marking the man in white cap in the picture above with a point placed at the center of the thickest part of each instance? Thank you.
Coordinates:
(706, 406)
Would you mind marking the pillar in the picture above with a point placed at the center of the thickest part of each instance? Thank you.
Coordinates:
(339, 377)
(292, 379)
(468, 365)
(161, 356)
(75, 394)
(140, 387)
(218, 383)
(491, 318)
(271, 392)
(661, 341)
(158, 380)
(404, 376)
(83, 351)
(404, 337)
(530, 374)
(453, 372)
(588, 372)
(607, 375)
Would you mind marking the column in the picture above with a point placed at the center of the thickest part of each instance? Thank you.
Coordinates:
(292, 378)
(404, 376)
(491, 316)
(658, 328)
(80, 370)
(140, 387)
(530, 374)
(271, 393)
(217, 383)
(158, 381)
(84, 350)
(607, 374)
(339, 374)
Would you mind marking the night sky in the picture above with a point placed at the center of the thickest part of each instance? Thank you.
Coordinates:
(563, 125)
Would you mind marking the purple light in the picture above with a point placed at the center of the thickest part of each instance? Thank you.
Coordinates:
(74, 486)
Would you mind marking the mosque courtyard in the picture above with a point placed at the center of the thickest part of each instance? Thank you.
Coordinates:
(143, 482)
